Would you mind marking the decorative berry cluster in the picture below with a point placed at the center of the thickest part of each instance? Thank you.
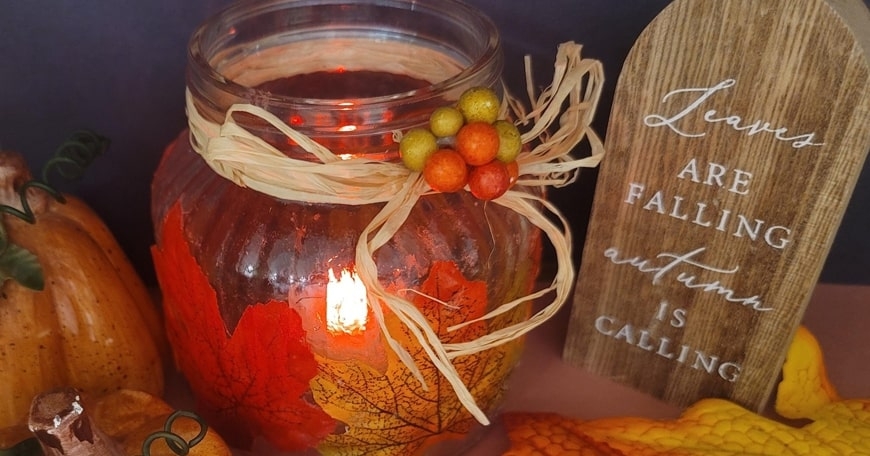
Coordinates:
(466, 144)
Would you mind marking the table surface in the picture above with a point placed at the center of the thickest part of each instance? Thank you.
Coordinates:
(838, 315)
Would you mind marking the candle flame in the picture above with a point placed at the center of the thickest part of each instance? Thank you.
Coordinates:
(346, 303)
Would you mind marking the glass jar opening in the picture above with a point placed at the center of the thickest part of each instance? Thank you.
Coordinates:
(441, 46)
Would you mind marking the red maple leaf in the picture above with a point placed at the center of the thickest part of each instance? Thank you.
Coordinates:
(248, 384)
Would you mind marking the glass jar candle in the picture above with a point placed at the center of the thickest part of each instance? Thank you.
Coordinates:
(269, 320)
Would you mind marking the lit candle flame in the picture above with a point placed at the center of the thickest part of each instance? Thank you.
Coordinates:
(346, 303)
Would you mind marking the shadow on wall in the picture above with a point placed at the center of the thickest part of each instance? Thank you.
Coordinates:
(117, 67)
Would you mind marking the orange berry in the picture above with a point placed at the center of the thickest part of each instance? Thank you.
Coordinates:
(489, 181)
(446, 171)
(477, 142)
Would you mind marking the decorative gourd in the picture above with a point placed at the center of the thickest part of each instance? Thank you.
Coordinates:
(93, 326)
(121, 423)
(822, 423)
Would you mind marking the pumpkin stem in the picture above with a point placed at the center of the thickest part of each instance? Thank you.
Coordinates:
(14, 175)
(64, 427)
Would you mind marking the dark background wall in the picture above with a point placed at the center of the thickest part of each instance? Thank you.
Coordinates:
(117, 67)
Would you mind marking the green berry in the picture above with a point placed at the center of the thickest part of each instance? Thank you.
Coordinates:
(416, 147)
(479, 104)
(445, 121)
(509, 141)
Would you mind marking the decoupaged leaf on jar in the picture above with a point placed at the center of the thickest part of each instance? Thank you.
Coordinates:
(390, 412)
(838, 427)
(251, 383)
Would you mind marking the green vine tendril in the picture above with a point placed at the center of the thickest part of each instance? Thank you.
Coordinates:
(70, 161)
(175, 442)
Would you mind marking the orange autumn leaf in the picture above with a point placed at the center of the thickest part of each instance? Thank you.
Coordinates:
(389, 412)
(715, 426)
(247, 384)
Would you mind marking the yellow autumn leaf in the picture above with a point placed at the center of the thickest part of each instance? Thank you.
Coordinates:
(716, 427)
(388, 412)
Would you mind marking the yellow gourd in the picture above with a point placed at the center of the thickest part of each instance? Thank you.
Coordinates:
(824, 424)
(92, 326)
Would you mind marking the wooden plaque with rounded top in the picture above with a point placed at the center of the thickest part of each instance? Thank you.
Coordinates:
(738, 131)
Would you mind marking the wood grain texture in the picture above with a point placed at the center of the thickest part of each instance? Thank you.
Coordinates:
(738, 131)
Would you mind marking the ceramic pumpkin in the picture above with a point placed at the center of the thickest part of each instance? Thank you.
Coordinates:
(93, 325)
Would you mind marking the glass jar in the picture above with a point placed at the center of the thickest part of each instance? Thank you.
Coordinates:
(245, 275)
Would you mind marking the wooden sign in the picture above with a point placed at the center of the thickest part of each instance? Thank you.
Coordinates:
(738, 131)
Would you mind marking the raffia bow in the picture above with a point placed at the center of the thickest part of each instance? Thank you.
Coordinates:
(571, 99)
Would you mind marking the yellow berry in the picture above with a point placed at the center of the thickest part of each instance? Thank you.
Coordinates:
(445, 121)
(479, 104)
(416, 146)
(509, 142)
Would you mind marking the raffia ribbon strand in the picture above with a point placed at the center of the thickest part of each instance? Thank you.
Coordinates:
(571, 99)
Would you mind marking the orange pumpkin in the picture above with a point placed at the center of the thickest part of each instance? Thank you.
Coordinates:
(93, 326)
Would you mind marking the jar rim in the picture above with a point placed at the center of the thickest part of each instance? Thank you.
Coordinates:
(200, 64)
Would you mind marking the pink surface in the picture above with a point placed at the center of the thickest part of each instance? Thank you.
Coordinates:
(839, 316)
